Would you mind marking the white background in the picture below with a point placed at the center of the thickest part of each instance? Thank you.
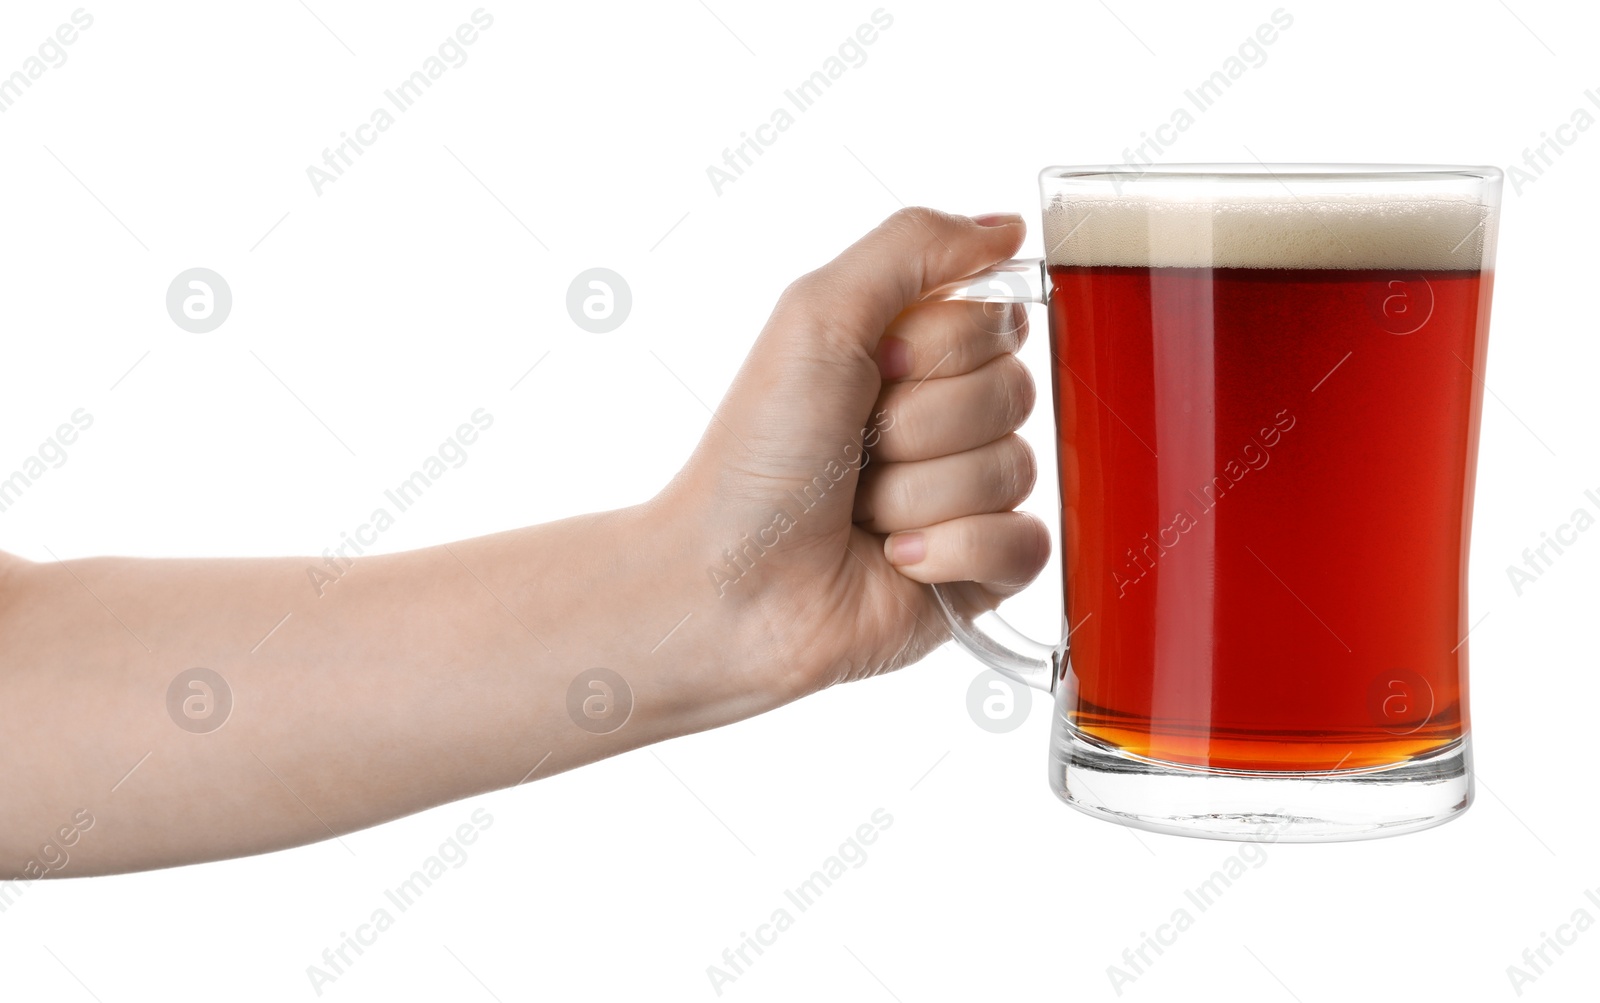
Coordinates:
(414, 290)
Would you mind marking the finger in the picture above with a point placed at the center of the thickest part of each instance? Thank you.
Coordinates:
(1002, 551)
(944, 416)
(854, 297)
(810, 381)
(950, 337)
(992, 478)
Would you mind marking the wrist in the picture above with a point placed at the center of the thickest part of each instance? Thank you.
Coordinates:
(720, 645)
(630, 591)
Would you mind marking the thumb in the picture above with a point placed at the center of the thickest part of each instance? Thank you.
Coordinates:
(908, 255)
(809, 383)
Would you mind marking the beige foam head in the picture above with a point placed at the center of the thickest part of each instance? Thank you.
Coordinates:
(1357, 231)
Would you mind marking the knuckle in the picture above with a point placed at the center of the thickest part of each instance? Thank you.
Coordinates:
(869, 496)
(962, 541)
(916, 219)
(1019, 332)
(918, 229)
(1040, 541)
(918, 424)
(901, 496)
(798, 301)
(1020, 470)
(1016, 384)
(896, 437)
(820, 308)
(1028, 549)
(992, 318)
(801, 290)
(1042, 556)
(909, 442)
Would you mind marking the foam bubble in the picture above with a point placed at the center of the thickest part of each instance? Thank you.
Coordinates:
(1325, 231)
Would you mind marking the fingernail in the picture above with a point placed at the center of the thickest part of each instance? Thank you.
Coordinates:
(907, 548)
(997, 219)
(894, 358)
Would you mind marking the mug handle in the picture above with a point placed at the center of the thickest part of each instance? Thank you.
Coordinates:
(981, 631)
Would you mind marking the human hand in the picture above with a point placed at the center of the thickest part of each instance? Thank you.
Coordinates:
(781, 560)
(822, 551)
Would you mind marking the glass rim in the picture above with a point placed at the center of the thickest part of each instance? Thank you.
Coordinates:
(1130, 173)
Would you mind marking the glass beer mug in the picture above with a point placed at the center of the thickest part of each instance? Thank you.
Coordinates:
(1267, 384)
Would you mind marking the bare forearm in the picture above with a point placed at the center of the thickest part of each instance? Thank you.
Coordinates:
(414, 679)
(164, 712)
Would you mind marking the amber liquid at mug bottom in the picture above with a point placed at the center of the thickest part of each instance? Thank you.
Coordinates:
(1266, 477)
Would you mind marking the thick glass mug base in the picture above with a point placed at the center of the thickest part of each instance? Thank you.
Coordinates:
(1105, 782)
